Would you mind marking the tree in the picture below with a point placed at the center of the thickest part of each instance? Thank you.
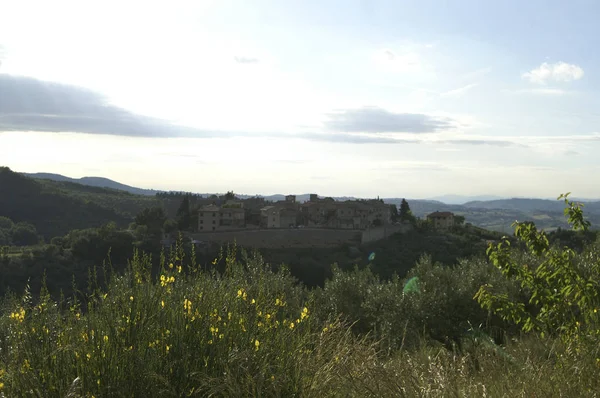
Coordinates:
(6, 223)
(562, 285)
(153, 219)
(405, 213)
(170, 226)
(24, 234)
(459, 220)
(394, 213)
(183, 215)
(229, 195)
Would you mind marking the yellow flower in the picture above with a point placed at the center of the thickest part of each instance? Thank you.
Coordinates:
(171, 265)
(130, 298)
(187, 306)
(253, 301)
(272, 378)
(88, 355)
(291, 325)
(106, 339)
(214, 262)
(162, 303)
(179, 269)
(1, 386)
(256, 344)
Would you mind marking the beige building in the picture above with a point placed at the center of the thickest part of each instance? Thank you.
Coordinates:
(208, 218)
(279, 216)
(230, 216)
(441, 219)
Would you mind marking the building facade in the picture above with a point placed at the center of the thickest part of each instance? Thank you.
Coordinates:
(441, 219)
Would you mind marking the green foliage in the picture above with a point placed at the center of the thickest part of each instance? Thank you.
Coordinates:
(153, 219)
(183, 215)
(229, 195)
(6, 223)
(24, 234)
(561, 285)
(405, 212)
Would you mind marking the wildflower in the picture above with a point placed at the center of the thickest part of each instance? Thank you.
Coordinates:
(210, 341)
(256, 344)
(221, 336)
(18, 316)
(214, 262)
(272, 377)
(179, 269)
(130, 298)
(167, 348)
(291, 325)
(253, 301)
(106, 339)
(88, 356)
(187, 306)
(171, 265)
(162, 303)
(229, 315)
(1, 386)
(304, 313)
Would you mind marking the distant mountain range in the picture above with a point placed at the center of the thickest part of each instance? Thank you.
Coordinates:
(492, 212)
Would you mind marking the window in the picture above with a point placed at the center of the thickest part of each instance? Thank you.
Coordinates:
(201, 221)
(214, 222)
(201, 227)
(201, 214)
(273, 218)
(213, 228)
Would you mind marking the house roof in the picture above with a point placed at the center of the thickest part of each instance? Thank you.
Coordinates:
(210, 208)
(441, 214)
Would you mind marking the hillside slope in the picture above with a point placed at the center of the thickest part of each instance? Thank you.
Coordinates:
(55, 208)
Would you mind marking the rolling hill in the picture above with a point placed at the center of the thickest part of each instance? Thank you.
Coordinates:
(56, 207)
(100, 182)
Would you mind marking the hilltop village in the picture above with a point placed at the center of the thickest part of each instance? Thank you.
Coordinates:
(256, 213)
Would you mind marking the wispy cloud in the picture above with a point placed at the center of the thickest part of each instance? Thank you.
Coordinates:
(246, 60)
(377, 120)
(541, 91)
(558, 72)
(459, 91)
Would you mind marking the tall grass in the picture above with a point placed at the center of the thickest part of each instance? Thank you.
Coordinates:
(249, 332)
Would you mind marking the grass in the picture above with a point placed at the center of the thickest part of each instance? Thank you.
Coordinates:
(249, 332)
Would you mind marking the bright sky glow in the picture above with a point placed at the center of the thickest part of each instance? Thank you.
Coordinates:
(349, 97)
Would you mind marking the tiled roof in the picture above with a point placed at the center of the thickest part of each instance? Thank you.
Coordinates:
(441, 214)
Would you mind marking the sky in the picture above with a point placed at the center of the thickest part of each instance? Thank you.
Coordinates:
(353, 97)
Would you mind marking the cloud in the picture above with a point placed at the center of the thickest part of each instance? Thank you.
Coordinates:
(408, 61)
(28, 104)
(378, 120)
(459, 91)
(558, 72)
(541, 91)
(246, 60)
